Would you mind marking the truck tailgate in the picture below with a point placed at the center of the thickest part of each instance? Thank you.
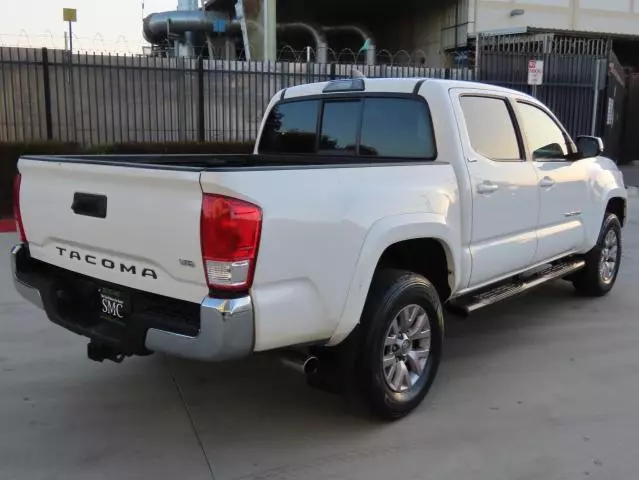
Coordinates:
(128, 225)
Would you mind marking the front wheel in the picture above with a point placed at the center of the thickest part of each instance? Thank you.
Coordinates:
(602, 262)
(403, 332)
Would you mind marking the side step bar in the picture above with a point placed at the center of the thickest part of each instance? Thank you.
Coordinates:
(467, 304)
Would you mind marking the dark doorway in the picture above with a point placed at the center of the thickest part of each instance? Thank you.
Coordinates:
(630, 138)
(627, 52)
(614, 117)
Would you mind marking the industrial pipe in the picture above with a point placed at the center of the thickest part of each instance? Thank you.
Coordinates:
(321, 46)
(157, 26)
(369, 42)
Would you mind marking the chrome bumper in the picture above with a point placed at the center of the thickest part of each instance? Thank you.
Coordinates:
(29, 293)
(226, 332)
(227, 328)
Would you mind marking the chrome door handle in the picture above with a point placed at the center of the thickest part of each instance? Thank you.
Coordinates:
(547, 182)
(486, 188)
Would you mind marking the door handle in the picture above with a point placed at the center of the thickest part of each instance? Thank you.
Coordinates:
(547, 182)
(89, 205)
(486, 188)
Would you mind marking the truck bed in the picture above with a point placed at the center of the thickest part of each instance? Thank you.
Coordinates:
(199, 162)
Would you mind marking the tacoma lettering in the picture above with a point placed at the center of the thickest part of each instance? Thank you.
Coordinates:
(147, 272)
(107, 263)
(125, 268)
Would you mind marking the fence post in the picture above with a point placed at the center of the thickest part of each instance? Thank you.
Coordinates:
(595, 99)
(200, 99)
(331, 71)
(47, 93)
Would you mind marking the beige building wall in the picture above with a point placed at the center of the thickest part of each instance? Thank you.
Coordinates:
(427, 38)
(434, 31)
(441, 28)
(602, 16)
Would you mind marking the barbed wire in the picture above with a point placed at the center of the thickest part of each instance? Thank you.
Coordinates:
(98, 44)
(350, 56)
(288, 53)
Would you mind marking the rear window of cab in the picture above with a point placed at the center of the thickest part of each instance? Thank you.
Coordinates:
(382, 127)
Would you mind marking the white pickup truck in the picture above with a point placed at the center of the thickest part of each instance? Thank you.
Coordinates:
(367, 207)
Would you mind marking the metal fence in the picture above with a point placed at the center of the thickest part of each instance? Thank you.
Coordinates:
(571, 67)
(99, 99)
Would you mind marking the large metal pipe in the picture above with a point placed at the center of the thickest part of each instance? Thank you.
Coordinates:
(157, 26)
(368, 40)
(321, 46)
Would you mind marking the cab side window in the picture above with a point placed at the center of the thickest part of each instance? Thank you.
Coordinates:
(543, 136)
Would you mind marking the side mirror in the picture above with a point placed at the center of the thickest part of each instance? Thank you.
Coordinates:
(590, 146)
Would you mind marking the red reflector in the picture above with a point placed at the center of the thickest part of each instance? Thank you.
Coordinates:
(16, 208)
(230, 234)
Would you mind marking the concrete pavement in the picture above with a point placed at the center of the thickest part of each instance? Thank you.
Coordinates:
(630, 174)
(541, 387)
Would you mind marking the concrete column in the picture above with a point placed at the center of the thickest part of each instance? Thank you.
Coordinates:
(271, 30)
(187, 5)
(261, 20)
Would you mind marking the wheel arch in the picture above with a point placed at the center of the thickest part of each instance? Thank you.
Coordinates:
(617, 205)
(403, 233)
(429, 257)
(613, 200)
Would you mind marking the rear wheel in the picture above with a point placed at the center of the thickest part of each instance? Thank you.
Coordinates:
(602, 262)
(403, 328)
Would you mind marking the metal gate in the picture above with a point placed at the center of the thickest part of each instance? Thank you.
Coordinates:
(573, 76)
(631, 138)
(615, 104)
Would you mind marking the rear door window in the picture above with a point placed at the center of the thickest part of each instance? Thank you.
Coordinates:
(397, 127)
(291, 128)
(490, 128)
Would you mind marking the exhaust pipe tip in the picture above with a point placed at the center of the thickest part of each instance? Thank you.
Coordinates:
(300, 362)
(311, 365)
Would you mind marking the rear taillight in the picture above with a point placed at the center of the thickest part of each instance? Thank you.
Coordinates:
(17, 214)
(230, 233)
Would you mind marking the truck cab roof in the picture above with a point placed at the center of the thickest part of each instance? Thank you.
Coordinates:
(388, 85)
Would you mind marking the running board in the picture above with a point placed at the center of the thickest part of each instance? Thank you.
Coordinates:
(467, 304)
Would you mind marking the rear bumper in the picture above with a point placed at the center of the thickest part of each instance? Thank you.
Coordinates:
(226, 326)
(28, 292)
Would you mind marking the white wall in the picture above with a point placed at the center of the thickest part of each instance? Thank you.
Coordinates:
(603, 16)
(442, 27)
(428, 36)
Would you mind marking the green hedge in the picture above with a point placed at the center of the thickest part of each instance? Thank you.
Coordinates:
(11, 152)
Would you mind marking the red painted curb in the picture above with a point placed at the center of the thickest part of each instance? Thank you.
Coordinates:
(7, 225)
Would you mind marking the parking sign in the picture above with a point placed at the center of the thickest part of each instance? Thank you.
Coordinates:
(535, 72)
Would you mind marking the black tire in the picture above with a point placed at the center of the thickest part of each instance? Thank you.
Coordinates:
(391, 292)
(590, 281)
